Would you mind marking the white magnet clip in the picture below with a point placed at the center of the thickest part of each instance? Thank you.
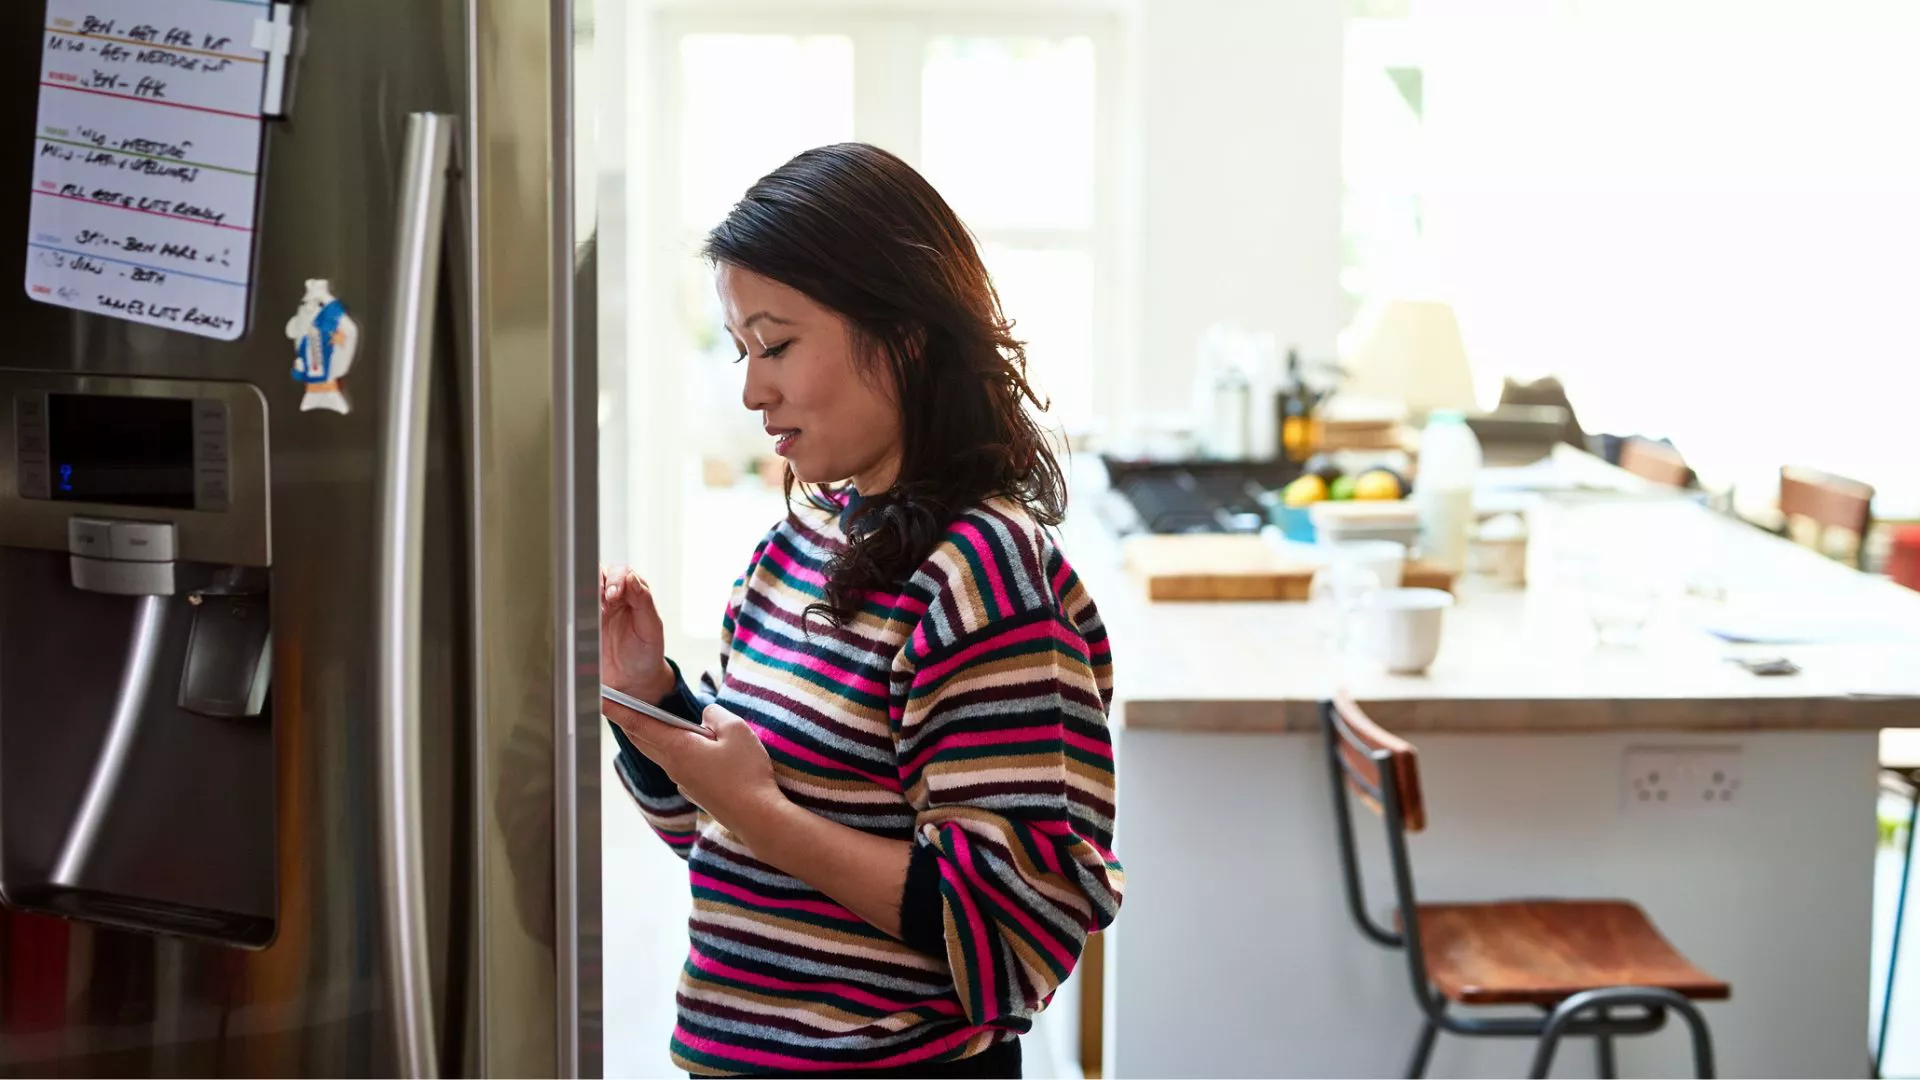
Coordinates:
(273, 35)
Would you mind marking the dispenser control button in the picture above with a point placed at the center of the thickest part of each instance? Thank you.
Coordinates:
(121, 578)
(209, 433)
(210, 488)
(142, 541)
(35, 481)
(90, 538)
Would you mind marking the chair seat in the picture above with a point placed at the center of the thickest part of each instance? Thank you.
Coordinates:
(1540, 952)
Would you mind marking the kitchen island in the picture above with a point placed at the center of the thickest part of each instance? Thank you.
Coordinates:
(1235, 954)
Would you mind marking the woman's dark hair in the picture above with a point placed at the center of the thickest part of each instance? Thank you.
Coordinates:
(861, 233)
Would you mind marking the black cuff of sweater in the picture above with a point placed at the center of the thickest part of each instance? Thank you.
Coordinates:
(682, 702)
(923, 913)
(635, 767)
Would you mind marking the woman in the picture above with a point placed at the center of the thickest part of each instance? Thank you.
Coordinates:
(899, 823)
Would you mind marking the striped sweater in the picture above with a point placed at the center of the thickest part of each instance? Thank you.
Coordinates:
(966, 713)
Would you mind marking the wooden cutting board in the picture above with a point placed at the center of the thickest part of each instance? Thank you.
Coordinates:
(1211, 567)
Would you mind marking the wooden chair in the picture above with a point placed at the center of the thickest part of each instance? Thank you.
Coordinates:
(1575, 960)
(1655, 461)
(1825, 502)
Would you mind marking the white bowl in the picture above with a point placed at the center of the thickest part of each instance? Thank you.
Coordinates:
(1400, 628)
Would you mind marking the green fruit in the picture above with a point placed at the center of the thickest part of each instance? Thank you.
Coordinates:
(1341, 488)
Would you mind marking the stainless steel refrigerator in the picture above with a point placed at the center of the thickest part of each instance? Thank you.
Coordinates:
(298, 725)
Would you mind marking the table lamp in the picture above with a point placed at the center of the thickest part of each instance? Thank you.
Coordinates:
(1407, 352)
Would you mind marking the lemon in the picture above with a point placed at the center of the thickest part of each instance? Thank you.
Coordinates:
(1377, 485)
(1306, 490)
(1341, 488)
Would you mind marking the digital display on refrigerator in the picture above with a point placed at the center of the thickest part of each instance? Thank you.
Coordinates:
(129, 451)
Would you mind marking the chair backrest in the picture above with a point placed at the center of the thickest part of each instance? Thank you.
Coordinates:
(1655, 461)
(1368, 755)
(1368, 761)
(1829, 502)
(1383, 770)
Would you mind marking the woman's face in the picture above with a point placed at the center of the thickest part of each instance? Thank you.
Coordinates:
(831, 421)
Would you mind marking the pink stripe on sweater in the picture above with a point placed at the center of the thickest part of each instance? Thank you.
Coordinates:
(793, 568)
(1019, 915)
(1061, 579)
(1052, 858)
(753, 899)
(1030, 632)
(798, 1064)
(793, 749)
(1064, 830)
(1098, 747)
(851, 993)
(979, 738)
(819, 665)
(983, 550)
(975, 925)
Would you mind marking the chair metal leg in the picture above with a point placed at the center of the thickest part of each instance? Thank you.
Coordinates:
(1702, 1041)
(1423, 1048)
(1603, 1052)
(1567, 1011)
(1893, 949)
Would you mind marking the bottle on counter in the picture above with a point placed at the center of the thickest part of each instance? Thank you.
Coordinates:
(1443, 490)
(1232, 401)
(1295, 414)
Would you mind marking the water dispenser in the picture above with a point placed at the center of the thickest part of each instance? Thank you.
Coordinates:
(136, 731)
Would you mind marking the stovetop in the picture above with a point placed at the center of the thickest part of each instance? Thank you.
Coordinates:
(1195, 496)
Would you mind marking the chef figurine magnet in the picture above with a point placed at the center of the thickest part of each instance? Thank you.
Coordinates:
(325, 338)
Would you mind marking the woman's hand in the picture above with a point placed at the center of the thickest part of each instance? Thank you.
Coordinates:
(633, 653)
(728, 775)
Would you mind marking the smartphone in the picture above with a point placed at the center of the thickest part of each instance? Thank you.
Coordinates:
(1771, 665)
(654, 711)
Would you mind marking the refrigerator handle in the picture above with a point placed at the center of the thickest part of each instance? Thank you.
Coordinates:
(409, 355)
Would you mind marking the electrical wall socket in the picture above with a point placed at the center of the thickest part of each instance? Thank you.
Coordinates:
(1681, 779)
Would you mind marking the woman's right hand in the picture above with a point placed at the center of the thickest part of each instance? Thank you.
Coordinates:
(633, 654)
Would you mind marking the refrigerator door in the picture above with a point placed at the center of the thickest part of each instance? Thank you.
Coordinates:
(532, 279)
(434, 911)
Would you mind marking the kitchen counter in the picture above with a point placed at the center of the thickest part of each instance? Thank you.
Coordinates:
(1525, 659)
(1235, 954)
(1508, 662)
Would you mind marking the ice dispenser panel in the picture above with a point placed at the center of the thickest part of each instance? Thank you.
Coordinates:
(136, 726)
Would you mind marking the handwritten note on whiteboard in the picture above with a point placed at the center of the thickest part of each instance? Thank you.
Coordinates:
(147, 161)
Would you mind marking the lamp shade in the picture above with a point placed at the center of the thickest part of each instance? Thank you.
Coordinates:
(1407, 351)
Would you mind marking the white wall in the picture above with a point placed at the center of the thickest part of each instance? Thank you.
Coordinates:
(1239, 197)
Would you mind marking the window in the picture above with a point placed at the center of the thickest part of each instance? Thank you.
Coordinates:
(1007, 133)
(749, 102)
(1007, 114)
(1384, 103)
(1694, 215)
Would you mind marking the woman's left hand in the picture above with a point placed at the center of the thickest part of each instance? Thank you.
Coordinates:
(729, 775)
